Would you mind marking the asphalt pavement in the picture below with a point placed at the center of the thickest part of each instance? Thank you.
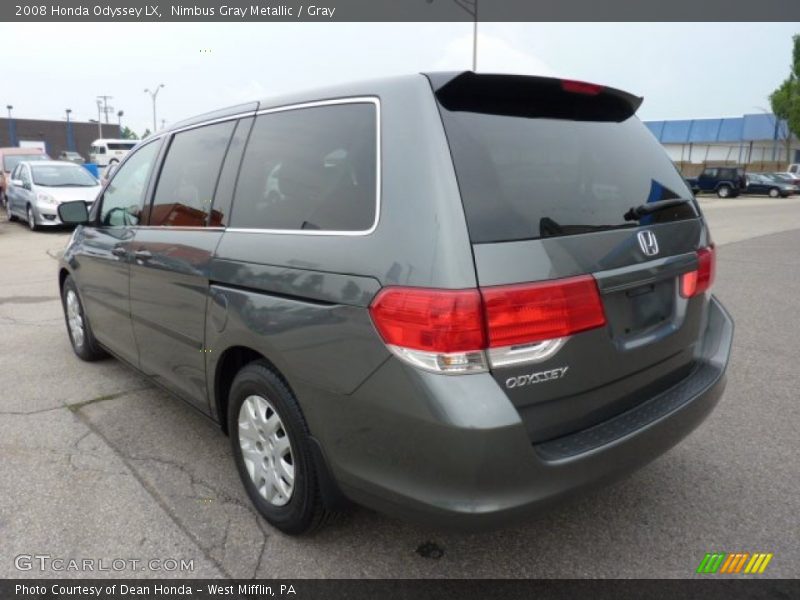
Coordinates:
(99, 464)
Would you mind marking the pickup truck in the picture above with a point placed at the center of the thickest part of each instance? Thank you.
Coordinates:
(726, 182)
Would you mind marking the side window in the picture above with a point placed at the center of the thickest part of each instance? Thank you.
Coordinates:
(185, 188)
(710, 173)
(310, 169)
(25, 175)
(223, 198)
(123, 199)
(101, 150)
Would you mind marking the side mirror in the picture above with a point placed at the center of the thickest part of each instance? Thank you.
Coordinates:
(17, 182)
(73, 213)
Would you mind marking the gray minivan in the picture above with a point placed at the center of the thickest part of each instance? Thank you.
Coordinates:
(452, 297)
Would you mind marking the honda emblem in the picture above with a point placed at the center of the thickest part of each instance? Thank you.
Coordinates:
(648, 242)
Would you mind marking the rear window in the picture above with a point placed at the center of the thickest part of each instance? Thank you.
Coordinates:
(66, 175)
(12, 160)
(526, 176)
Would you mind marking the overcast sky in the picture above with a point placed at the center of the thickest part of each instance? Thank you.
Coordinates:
(682, 70)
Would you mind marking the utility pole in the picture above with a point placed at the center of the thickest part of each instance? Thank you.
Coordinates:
(106, 108)
(99, 118)
(153, 96)
(471, 8)
(475, 40)
(788, 129)
(119, 121)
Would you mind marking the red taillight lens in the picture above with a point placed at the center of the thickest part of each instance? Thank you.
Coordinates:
(521, 314)
(581, 87)
(432, 320)
(697, 282)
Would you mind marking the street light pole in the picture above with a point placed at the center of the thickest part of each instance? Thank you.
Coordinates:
(153, 96)
(70, 137)
(12, 134)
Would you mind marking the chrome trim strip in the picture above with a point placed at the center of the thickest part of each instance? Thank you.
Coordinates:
(249, 113)
(179, 228)
(528, 353)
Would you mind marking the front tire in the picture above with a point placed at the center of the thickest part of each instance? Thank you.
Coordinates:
(32, 219)
(272, 451)
(80, 333)
(774, 193)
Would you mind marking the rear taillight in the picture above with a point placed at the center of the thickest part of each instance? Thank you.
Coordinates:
(437, 330)
(698, 281)
(523, 314)
(450, 331)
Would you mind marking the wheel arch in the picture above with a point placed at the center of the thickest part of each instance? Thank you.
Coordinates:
(63, 273)
(231, 361)
(229, 364)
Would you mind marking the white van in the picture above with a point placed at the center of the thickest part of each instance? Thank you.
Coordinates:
(106, 152)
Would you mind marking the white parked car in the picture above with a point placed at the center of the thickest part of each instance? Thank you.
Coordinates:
(36, 188)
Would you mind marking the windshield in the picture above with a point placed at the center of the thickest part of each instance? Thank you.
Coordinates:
(530, 177)
(12, 160)
(62, 176)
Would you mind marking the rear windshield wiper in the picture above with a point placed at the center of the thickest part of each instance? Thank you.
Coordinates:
(636, 213)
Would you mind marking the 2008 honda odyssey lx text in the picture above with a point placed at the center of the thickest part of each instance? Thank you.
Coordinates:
(455, 298)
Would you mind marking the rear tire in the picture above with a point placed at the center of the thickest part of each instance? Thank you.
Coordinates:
(80, 333)
(279, 477)
(724, 191)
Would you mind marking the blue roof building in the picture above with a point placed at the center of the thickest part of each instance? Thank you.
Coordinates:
(747, 139)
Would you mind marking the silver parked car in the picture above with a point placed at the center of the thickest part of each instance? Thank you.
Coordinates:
(37, 188)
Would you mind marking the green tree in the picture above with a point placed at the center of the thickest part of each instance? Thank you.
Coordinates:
(128, 134)
(785, 100)
(146, 134)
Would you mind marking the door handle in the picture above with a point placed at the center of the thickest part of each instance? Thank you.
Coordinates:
(119, 251)
(143, 255)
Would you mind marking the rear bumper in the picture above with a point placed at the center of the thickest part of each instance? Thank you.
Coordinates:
(453, 452)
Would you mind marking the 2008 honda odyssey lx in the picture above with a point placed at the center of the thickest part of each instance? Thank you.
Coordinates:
(452, 297)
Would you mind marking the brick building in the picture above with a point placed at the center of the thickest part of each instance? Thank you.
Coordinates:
(54, 134)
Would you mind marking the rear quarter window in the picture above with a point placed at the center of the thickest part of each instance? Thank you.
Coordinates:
(310, 169)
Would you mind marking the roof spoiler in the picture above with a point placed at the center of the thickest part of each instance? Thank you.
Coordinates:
(534, 97)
